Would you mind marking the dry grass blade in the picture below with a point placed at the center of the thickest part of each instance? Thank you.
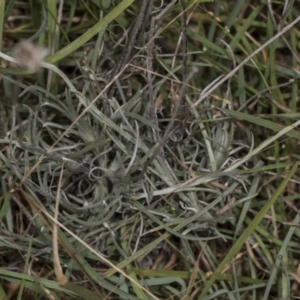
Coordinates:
(61, 278)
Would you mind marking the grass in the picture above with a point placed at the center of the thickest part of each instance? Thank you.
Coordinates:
(175, 179)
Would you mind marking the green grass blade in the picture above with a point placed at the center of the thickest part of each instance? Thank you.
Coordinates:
(2, 22)
(80, 41)
(247, 232)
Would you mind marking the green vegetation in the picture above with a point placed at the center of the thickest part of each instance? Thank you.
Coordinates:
(153, 153)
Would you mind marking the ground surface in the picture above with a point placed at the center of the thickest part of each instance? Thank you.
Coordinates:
(149, 150)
